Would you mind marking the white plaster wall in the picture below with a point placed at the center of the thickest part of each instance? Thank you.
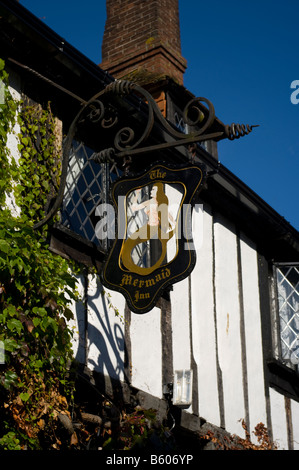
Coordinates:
(106, 343)
(228, 324)
(253, 334)
(203, 325)
(12, 138)
(77, 323)
(180, 325)
(295, 422)
(146, 350)
(278, 418)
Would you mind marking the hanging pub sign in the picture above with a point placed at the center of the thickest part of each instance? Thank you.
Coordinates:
(153, 246)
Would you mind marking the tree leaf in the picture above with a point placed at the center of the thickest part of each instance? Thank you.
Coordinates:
(24, 396)
(4, 246)
(36, 321)
(14, 324)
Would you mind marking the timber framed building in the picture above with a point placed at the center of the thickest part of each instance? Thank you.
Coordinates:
(230, 329)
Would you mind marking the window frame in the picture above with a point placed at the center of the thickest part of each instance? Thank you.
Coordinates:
(278, 353)
(103, 177)
(281, 376)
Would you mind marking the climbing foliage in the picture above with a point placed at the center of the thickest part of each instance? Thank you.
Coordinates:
(36, 286)
(39, 163)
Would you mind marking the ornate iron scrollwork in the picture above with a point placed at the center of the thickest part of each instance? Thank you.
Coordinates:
(199, 114)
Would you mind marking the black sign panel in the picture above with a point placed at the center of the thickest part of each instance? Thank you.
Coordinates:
(153, 248)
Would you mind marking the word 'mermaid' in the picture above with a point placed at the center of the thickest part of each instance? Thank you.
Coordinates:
(138, 282)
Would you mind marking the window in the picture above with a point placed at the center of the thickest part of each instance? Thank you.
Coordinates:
(180, 123)
(184, 128)
(87, 188)
(287, 278)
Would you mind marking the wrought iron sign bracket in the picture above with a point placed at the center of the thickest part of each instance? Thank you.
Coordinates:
(199, 114)
(107, 110)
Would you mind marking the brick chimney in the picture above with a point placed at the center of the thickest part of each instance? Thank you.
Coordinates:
(143, 35)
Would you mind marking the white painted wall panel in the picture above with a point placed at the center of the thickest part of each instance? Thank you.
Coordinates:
(146, 349)
(180, 325)
(203, 325)
(278, 418)
(77, 324)
(228, 324)
(12, 138)
(105, 331)
(295, 422)
(253, 334)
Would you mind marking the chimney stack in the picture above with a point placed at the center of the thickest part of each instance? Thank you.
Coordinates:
(143, 35)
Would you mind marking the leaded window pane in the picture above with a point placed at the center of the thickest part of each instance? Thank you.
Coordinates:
(288, 303)
(87, 187)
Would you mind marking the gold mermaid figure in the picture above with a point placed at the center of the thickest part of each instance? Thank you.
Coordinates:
(158, 226)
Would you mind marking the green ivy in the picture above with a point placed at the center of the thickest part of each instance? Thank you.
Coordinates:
(7, 121)
(39, 163)
(36, 286)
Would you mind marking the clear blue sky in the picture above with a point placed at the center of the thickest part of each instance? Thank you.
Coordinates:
(243, 56)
